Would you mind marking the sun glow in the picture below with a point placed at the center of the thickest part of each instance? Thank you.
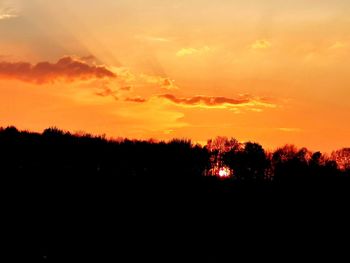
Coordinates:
(140, 69)
(224, 172)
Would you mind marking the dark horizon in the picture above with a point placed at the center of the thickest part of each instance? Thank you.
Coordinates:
(116, 138)
(63, 189)
(221, 157)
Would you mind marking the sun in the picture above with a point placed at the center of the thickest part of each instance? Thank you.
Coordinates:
(224, 172)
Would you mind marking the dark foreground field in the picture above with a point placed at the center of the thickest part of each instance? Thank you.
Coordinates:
(72, 198)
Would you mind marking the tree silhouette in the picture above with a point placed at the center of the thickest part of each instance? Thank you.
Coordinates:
(219, 149)
(57, 177)
(249, 163)
(342, 158)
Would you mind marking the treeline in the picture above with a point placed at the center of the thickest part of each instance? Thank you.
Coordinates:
(98, 199)
(250, 162)
(59, 153)
(55, 152)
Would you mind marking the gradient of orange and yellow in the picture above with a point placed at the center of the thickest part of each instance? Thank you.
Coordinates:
(270, 71)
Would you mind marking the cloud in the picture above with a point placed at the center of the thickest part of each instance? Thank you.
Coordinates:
(67, 68)
(136, 99)
(191, 51)
(125, 88)
(217, 102)
(168, 84)
(88, 58)
(6, 16)
(107, 92)
(152, 38)
(261, 44)
(129, 80)
(163, 82)
(197, 100)
(7, 13)
(338, 45)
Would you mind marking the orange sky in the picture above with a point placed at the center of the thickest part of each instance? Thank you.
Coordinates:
(269, 71)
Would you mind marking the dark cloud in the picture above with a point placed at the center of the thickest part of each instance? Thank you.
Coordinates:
(204, 100)
(67, 68)
(126, 88)
(106, 92)
(137, 100)
(88, 58)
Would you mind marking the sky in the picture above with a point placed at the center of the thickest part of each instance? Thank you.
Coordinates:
(273, 71)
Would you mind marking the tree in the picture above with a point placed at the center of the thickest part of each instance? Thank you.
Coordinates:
(289, 163)
(223, 144)
(53, 132)
(11, 131)
(218, 149)
(342, 158)
(249, 163)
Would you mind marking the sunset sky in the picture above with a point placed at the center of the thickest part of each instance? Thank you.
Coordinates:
(272, 71)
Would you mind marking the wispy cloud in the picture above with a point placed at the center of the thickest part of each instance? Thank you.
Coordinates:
(209, 102)
(107, 92)
(162, 82)
(152, 38)
(338, 45)
(7, 13)
(68, 69)
(218, 102)
(192, 51)
(261, 44)
(131, 79)
(136, 99)
(125, 88)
